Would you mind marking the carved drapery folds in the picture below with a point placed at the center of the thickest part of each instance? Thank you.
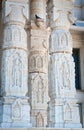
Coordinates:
(61, 67)
(14, 87)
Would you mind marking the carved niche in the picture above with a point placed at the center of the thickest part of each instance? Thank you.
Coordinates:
(60, 40)
(64, 75)
(16, 110)
(14, 70)
(67, 113)
(17, 71)
(39, 120)
(15, 36)
(38, 62)
(39, 89)
(64, 40)
(62, 81)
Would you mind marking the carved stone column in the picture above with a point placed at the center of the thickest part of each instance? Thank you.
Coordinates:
(63, 112)
(83, 113)
(15, 109)
(38, 64)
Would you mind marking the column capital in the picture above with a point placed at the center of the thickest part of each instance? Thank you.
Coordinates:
(15, 12)
(60, 13)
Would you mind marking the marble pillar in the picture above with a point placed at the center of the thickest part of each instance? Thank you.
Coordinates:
(83, 113)
(63, 110)
(14, 108)
(38, 64)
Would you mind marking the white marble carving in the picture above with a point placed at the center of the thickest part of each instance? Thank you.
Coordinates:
(61, 68)
(38, 64)
(25, 60)
(60, 40)
(16, 110)
(40, 121)
(14, 80)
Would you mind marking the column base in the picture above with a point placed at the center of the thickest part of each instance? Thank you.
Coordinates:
(15, 112)
(64, 115)
(61, 125)
(15, 125)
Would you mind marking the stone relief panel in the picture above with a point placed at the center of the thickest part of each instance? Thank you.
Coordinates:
(39, 117)
(14, 72)
(39, 120)
(38, 62)
(39, 40)
(14, 36)
(62, 81)
(39, 88)
(16, 110)
(67, 113)
(60, 41)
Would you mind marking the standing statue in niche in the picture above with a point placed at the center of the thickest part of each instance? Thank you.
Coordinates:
(64, 40)
(64, 76)
(40, 121)
(17, 72)
(40, 92)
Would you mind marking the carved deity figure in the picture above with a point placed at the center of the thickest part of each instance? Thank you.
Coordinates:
(64, 75)
(17, 75)
(40, 92)
(40, 122)
(64, 40)
(68, 113)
